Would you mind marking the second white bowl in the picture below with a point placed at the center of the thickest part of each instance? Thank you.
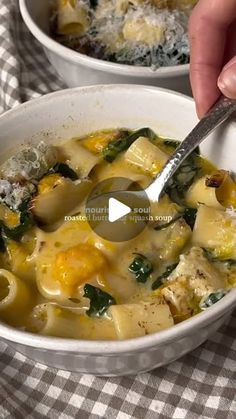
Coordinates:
(81, 70)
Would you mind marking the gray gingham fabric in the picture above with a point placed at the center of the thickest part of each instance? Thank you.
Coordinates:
(200, 385)
(24, 70)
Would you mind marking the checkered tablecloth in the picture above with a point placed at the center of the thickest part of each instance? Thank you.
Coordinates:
(200, 385)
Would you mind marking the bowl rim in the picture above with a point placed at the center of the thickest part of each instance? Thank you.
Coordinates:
(112, 347)
(95, 63)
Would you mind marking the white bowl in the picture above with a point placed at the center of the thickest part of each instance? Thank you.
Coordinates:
(75, 112)
(81, 70)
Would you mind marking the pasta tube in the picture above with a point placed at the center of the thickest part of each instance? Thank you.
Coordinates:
(20, 261)
(139, 319)
(51, 320)
(47, 207)
(177, 236)
(216, 231)
(145, 155)
(15, 298)
(73, 18)
(80, 159)
(139, 30)
(179, 296)
(217, 190)
(199, 193)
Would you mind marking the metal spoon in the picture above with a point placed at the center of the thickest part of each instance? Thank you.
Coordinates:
(219, 113)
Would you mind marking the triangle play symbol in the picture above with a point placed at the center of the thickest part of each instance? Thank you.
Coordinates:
(117, 210)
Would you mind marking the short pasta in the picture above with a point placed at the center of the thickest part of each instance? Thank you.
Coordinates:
(73, 17)
(59, 278)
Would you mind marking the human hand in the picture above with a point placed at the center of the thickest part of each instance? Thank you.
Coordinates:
(212, 32)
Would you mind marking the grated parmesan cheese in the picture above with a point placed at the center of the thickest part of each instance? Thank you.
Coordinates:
(31, 163)
(172, 48)
(14, 194)
(20, 173)
(136, 33)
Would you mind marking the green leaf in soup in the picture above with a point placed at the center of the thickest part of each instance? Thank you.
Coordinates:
(25, 223)
(160, 280)
(175, 143)
(16, 233)
(114, 147)
(64, 170)
(100, 300)
(183, 178)
(141, 267)
(189, 215)
(213, 298)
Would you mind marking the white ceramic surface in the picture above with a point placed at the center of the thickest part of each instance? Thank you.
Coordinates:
(80, 70)
(75, 112)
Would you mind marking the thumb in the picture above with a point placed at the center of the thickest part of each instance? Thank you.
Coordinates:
(227, 79)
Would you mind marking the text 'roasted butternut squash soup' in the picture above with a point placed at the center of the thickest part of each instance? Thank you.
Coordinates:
(59, 278)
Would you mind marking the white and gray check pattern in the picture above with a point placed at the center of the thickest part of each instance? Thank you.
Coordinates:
(200, 385)
(24, 70)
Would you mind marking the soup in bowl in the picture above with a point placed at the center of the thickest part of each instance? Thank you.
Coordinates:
(67, 282)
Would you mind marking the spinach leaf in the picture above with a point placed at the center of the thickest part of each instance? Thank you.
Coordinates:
(160, 280)
(213, 298)
(141, 267)
(25, 223)
(175, 143)
(189, 216)
(99, 300)
(17, 232)
(118, 145)
(183, 178)
(64, 170)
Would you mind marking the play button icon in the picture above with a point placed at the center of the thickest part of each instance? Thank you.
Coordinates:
(117, 210)
(114, 213)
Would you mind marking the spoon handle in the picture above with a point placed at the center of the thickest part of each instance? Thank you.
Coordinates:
(221, 111)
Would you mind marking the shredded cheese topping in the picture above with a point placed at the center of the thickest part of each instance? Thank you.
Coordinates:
(20, 173)
(135, 33)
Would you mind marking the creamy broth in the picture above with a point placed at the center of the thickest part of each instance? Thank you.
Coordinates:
(59, 278)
